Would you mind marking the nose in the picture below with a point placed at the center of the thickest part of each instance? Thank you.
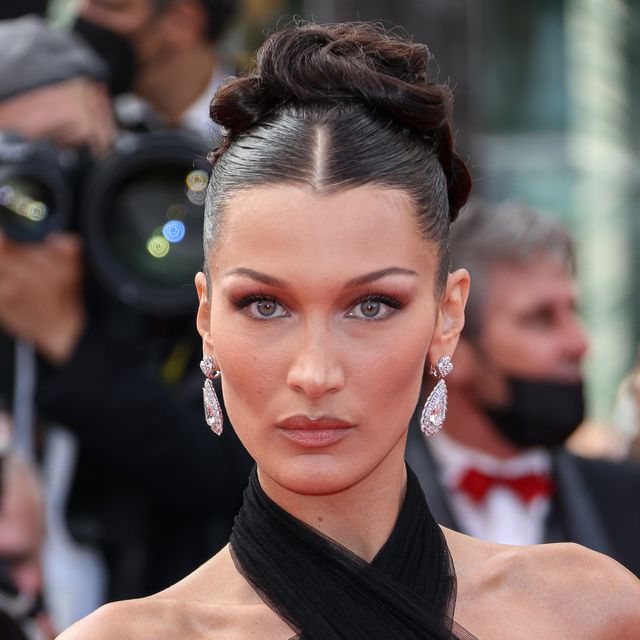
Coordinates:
(575, 341)
(316, 369)
(572, 347)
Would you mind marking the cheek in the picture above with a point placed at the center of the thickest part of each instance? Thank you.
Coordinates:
(252, 369)
(387, 381)
(382, 369)
(522, 351)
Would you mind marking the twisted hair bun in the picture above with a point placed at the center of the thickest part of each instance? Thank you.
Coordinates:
(363, 62)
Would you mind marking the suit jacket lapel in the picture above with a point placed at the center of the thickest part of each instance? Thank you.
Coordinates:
(423, 465)
(581, 521)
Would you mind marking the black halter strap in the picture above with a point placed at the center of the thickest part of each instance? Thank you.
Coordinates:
(326, 592)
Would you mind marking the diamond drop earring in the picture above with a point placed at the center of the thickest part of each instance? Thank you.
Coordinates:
(435, 408)
(212, 410)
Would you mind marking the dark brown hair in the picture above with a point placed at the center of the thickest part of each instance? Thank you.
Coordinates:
(340, 106)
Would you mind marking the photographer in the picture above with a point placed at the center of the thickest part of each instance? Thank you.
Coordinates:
(125, 382)
(21, 539)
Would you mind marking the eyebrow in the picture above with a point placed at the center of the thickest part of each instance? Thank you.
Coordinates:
(354, 282)
(378, 275)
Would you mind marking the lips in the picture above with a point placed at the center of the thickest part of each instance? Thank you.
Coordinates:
(304, 423)
(314, 432)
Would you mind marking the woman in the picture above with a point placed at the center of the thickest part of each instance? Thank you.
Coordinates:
(326, 292)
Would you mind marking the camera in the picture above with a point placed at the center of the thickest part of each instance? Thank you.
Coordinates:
(139, 210)
(14, 607)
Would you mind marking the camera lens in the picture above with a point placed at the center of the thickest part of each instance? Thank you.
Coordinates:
(154, 229)
(24, 204)
(34, 196)
(143, 216)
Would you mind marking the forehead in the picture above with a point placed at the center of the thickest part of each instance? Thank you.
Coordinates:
(117, 13)
(289, 226)
(542, 280)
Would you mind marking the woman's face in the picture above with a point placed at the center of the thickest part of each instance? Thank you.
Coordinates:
(321, 315)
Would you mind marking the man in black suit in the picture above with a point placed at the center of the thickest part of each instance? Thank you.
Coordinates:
(500, 470)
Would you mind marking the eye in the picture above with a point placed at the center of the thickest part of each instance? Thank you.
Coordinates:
(374, 307)
(266, 308)
(540, 319)
(261, 307)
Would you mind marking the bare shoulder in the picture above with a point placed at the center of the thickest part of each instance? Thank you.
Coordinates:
(176, 611)
(212, 603)
(552, 590)
(157, 617)
(587, 590)
(122, 620)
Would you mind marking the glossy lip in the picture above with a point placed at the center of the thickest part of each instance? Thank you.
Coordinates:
(314, 432)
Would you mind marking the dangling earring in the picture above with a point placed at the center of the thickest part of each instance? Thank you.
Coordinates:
(212, 410)
(435, 408)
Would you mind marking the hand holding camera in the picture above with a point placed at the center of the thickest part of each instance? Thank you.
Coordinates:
(41, 298)
(73, 113)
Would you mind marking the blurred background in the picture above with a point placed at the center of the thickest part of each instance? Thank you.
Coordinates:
(547, 95)
(546, 92)
(547, 98)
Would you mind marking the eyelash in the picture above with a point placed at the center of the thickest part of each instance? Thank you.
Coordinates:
(393, 302)
(244, 301)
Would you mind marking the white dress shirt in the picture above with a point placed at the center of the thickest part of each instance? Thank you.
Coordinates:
(132, 110)
(503, 516)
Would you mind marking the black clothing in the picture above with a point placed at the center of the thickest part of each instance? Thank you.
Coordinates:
(594, 503)
(154, 489)
(326, 592)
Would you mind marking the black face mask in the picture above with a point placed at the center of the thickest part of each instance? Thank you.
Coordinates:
(114, 49)
(540, 412)
(18, 611)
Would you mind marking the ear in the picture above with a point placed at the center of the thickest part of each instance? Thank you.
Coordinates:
(203, 318)
(185, 22)
(450, 319)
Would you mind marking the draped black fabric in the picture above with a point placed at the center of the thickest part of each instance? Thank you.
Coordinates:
(326, 592)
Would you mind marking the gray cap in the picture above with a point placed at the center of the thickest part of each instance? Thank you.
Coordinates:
(35, 54)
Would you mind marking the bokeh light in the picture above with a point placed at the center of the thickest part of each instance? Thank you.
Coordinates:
(197, 182)
(158, 246)
(22, 205)
(174, 230)
(176, 211)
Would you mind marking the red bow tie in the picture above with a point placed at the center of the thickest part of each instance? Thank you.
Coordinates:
(476, 484)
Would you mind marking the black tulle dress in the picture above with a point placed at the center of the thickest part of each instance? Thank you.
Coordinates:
(326, 592)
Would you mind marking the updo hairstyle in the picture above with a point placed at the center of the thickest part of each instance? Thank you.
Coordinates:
(334, 107)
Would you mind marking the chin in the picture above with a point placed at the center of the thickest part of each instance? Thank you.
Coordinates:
(315, 474)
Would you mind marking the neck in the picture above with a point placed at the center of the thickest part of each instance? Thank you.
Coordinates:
(361, 517)
(470, 426)
(173, 85)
